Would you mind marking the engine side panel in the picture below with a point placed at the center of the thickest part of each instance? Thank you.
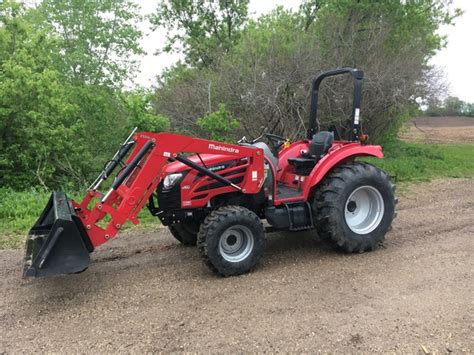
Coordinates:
(197, 189)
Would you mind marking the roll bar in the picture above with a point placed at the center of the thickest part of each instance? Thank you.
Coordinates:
(358, 76)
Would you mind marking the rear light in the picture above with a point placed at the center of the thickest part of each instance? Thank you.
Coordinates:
(363, 138)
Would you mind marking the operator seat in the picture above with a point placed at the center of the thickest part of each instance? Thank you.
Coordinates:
(318, 147)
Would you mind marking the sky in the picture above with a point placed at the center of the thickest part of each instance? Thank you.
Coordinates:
(455, 60)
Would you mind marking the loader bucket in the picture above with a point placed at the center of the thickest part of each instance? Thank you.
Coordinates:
(58, 242)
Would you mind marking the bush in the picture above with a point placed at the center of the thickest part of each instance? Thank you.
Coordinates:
(219, 124)
(140, 113)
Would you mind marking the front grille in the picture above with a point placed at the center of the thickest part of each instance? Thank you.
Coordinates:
(168, 199)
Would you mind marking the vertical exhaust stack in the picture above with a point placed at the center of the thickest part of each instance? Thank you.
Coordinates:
(58, 242)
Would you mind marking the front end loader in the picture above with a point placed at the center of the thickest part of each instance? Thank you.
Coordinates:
(215, 195)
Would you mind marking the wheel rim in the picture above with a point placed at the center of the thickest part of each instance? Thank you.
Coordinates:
(236, 243)
(364, 209)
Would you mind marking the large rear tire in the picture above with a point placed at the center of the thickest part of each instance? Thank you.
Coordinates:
(185, 233)
(231, 240)
(354, 206)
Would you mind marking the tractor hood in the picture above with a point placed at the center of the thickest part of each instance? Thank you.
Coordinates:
(210, 160)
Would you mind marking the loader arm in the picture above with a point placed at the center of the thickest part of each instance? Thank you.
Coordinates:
(144, 170)
(67, 231)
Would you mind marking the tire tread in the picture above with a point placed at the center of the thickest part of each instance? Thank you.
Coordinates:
(327, 205)
(211, 224)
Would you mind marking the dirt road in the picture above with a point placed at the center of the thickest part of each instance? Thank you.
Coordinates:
(146, 293)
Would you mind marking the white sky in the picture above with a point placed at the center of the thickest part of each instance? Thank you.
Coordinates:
(455, 59)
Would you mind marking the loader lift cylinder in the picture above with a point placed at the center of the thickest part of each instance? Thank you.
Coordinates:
(116, 160)
(128, 169)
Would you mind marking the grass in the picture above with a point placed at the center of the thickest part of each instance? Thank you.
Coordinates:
(406, 162)
(414, 162)
(19, 210)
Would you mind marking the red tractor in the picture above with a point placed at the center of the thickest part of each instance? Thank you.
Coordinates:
(218, 196)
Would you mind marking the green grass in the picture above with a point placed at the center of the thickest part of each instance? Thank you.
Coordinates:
(19, 210)
(413, 162)
(406, 162)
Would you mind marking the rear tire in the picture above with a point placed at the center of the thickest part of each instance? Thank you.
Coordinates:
(231, 240)
(185, 233)
(354, 207)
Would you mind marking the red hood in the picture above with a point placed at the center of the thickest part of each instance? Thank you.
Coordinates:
(209, 159)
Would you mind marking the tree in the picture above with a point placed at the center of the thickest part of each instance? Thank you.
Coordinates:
(98, 39)
(32, 101)
(392, 41)
(201, 29)
(62, 110)
(453, 106)
(218, 124)
(140, 113)
(450, 106)
(264, 78)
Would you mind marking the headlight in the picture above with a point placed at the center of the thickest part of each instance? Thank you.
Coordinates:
(171, 180)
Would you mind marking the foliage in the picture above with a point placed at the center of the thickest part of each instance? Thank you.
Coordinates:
(264, 78)
(98, 39)
(64, 63)
(62, 109)
(140, 113)
(201, 29)
(219, 124)
(451, 106)
(33, 101)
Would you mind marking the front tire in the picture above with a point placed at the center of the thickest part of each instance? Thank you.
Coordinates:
(354, 206)
(231, 240)
(185, 233)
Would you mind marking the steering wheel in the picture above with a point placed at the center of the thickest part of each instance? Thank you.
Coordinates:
(276, 140)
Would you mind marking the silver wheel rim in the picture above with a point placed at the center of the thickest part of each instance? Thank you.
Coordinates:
(364, 209)
(236, 243)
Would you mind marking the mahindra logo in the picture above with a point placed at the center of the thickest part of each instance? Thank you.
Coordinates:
(223, 148)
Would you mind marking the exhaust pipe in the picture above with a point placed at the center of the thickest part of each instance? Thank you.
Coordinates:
(58, 242)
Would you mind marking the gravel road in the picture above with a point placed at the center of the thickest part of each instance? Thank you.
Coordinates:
(146, 293)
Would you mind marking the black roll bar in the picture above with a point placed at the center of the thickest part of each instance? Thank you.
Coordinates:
(358, 76)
